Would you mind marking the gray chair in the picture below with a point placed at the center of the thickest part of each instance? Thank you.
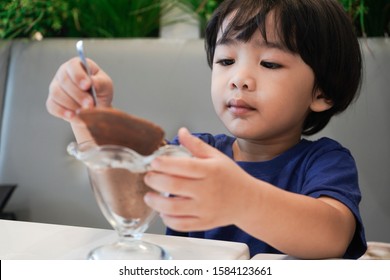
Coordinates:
(5, 194)
(168, 82)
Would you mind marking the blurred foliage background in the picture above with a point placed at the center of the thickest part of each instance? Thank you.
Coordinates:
(371, 17)
(141, 18)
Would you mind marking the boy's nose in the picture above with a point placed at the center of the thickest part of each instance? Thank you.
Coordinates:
(243, 81)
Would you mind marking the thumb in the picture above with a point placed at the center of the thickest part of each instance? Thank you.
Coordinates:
(196, 146)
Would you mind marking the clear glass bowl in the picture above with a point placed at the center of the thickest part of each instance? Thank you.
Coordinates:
(116, 174)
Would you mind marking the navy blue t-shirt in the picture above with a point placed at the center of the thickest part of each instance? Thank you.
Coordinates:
(312, 168)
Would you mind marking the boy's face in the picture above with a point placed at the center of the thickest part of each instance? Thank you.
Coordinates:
(260, 90)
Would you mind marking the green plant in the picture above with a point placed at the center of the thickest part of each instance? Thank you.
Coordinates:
(378, 17)
(119, 18)
(24, 18)
(141, 18)
(371, 17)
(201, 9)
(79, 18)
(356, 9)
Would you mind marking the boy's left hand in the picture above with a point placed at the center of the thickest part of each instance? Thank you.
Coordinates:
(207, 190)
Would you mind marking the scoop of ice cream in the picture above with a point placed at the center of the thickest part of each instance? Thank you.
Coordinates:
(109, 126)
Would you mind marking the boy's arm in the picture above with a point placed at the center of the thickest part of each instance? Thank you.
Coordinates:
(295, 224)
(212, 191)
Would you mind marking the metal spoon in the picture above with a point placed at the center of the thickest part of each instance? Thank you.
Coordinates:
(80, 50)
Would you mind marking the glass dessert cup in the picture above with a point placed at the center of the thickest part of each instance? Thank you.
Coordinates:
(116, 174)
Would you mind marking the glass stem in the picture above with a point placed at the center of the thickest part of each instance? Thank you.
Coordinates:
(128, 237)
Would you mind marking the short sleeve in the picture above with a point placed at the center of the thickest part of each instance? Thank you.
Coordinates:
(332, 172)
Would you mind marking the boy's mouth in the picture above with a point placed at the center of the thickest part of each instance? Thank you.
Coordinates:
(239, 107)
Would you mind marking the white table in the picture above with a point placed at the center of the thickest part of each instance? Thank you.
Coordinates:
(272, 257)
(27, 240)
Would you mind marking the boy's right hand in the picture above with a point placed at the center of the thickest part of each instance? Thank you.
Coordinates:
(69, 89)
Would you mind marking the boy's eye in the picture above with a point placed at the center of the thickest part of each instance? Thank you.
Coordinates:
(225, 62)
(270, 65)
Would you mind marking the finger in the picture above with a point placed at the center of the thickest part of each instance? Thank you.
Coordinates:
(77, 73)
(59, 111)
(104, 88)
(64, 83)
(183, 223)
(174, 185)
(99, 79)
(93, 67)
(172, 206)
(80, 76)
(191, 168)
(61, 96)
(59, 103)
(196, 146)
(73, 80)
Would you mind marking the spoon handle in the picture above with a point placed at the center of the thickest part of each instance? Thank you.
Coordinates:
(80, 50)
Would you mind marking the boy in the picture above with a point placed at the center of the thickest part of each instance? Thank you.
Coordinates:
(280, 70)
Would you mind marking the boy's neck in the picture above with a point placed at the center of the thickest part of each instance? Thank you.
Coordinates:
(251, 151)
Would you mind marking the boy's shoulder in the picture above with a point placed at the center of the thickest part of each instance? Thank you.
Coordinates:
(322, 151)
(325, 144)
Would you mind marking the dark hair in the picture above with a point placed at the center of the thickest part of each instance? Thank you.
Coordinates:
(318, 30)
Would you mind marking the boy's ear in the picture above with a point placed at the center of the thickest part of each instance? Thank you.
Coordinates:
(320, 103)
